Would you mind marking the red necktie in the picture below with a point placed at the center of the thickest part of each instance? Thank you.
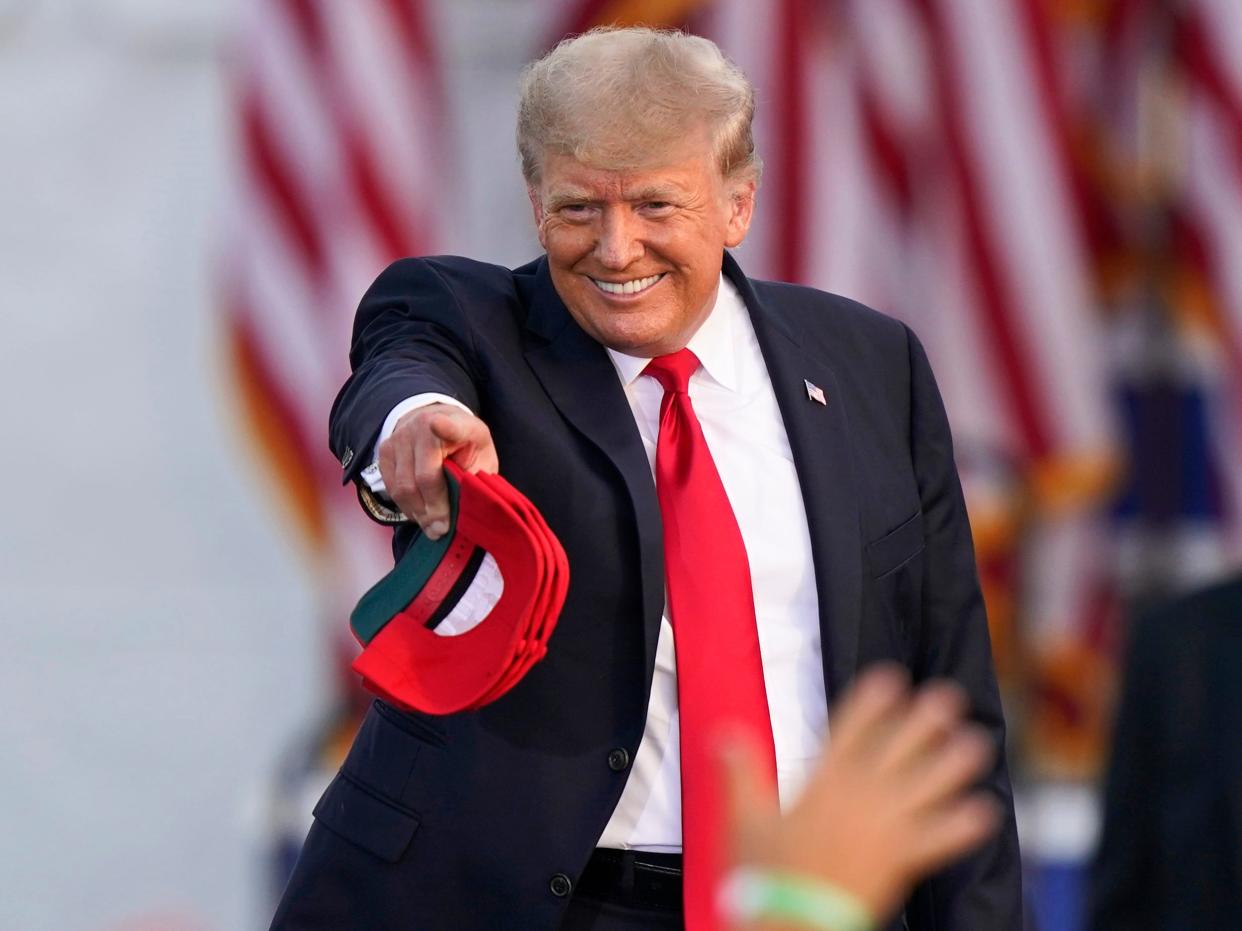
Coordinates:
(719, 671)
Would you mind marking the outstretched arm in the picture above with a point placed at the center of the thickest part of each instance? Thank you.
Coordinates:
(411, 338)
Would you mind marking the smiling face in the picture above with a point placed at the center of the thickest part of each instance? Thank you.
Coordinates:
(635, 254)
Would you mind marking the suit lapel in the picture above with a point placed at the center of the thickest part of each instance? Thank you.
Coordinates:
(819, 439)
(580, 380)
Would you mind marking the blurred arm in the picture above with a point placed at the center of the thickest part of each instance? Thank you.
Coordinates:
(889, 802)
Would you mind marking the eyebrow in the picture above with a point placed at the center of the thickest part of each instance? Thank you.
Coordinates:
(655, 192)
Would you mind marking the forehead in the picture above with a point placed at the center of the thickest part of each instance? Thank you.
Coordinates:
(688, 171)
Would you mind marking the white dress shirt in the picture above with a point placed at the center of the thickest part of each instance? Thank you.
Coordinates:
(733, 398)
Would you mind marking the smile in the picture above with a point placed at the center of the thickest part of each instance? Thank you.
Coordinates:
(633, 286)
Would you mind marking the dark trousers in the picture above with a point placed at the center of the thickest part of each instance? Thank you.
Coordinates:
(586, 914)
(623, 890)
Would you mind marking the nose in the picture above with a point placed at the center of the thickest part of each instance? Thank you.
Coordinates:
(620, 239)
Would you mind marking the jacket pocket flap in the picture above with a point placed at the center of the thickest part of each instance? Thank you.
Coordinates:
(363, 818)
(896, 547)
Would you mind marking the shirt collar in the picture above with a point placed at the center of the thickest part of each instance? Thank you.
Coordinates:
(713, 342)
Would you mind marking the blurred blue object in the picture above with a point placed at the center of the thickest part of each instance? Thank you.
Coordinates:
(1056, 891)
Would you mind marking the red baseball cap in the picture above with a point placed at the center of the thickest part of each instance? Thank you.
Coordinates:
(460, 620)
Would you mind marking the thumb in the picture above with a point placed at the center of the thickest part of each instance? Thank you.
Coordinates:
(450, 429)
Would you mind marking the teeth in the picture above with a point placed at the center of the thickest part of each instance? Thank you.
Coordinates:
(627, 287)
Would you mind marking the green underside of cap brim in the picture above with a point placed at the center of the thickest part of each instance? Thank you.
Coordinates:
(391, 594)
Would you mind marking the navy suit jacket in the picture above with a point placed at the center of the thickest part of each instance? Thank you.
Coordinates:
(1170, 856)
(463, 822)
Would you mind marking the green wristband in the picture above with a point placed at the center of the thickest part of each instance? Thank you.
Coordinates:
(749, 895)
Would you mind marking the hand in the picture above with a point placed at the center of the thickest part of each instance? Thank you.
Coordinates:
(887, 804)
(411, 461)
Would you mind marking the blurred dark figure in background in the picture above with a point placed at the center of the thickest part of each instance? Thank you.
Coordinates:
(1171, 853)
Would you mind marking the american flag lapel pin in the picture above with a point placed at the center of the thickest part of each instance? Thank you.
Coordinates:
(815, 393)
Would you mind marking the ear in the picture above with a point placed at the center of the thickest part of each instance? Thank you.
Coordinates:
(741, 209)
(536, 206)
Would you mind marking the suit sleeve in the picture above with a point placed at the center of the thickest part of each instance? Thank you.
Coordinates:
(410, 337)
(984, 891)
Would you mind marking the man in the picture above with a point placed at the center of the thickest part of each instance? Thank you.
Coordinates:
(1170, 853)
(805, 520)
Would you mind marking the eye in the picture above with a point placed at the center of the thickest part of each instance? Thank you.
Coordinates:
(574, 210)
(656, 209)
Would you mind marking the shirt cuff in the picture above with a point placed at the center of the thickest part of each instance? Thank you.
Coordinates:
(371, 474)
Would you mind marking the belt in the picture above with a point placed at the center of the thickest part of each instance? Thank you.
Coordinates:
(633, 878)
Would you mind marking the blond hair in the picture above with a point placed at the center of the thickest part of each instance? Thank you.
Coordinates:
(621, 97)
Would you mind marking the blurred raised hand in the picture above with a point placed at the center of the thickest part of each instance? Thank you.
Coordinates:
(889, 803)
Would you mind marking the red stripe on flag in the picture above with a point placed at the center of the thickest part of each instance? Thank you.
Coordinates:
(1091, 213)
(1199, 59)
(271, 171)
(415, 36)
(791, 140)
(884, 148)
(1121, 17)
(381, 207)
(306, 21)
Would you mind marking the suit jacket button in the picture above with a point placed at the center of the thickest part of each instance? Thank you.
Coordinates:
(618, 759)
(560, 885)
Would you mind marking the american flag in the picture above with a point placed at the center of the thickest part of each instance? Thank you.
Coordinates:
(966, 165)
(340, 168)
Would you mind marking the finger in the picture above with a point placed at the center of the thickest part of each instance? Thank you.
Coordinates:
(751, 806)
(430, 484)
(387, 460)
(466, 440)
(485, 458)
(953, 832)
(451, 428)
(934, 712)
(951, 769)
(397, 470)
(868, 709)
(464, 437)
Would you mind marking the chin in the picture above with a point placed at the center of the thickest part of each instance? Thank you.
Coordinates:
(626, 343)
